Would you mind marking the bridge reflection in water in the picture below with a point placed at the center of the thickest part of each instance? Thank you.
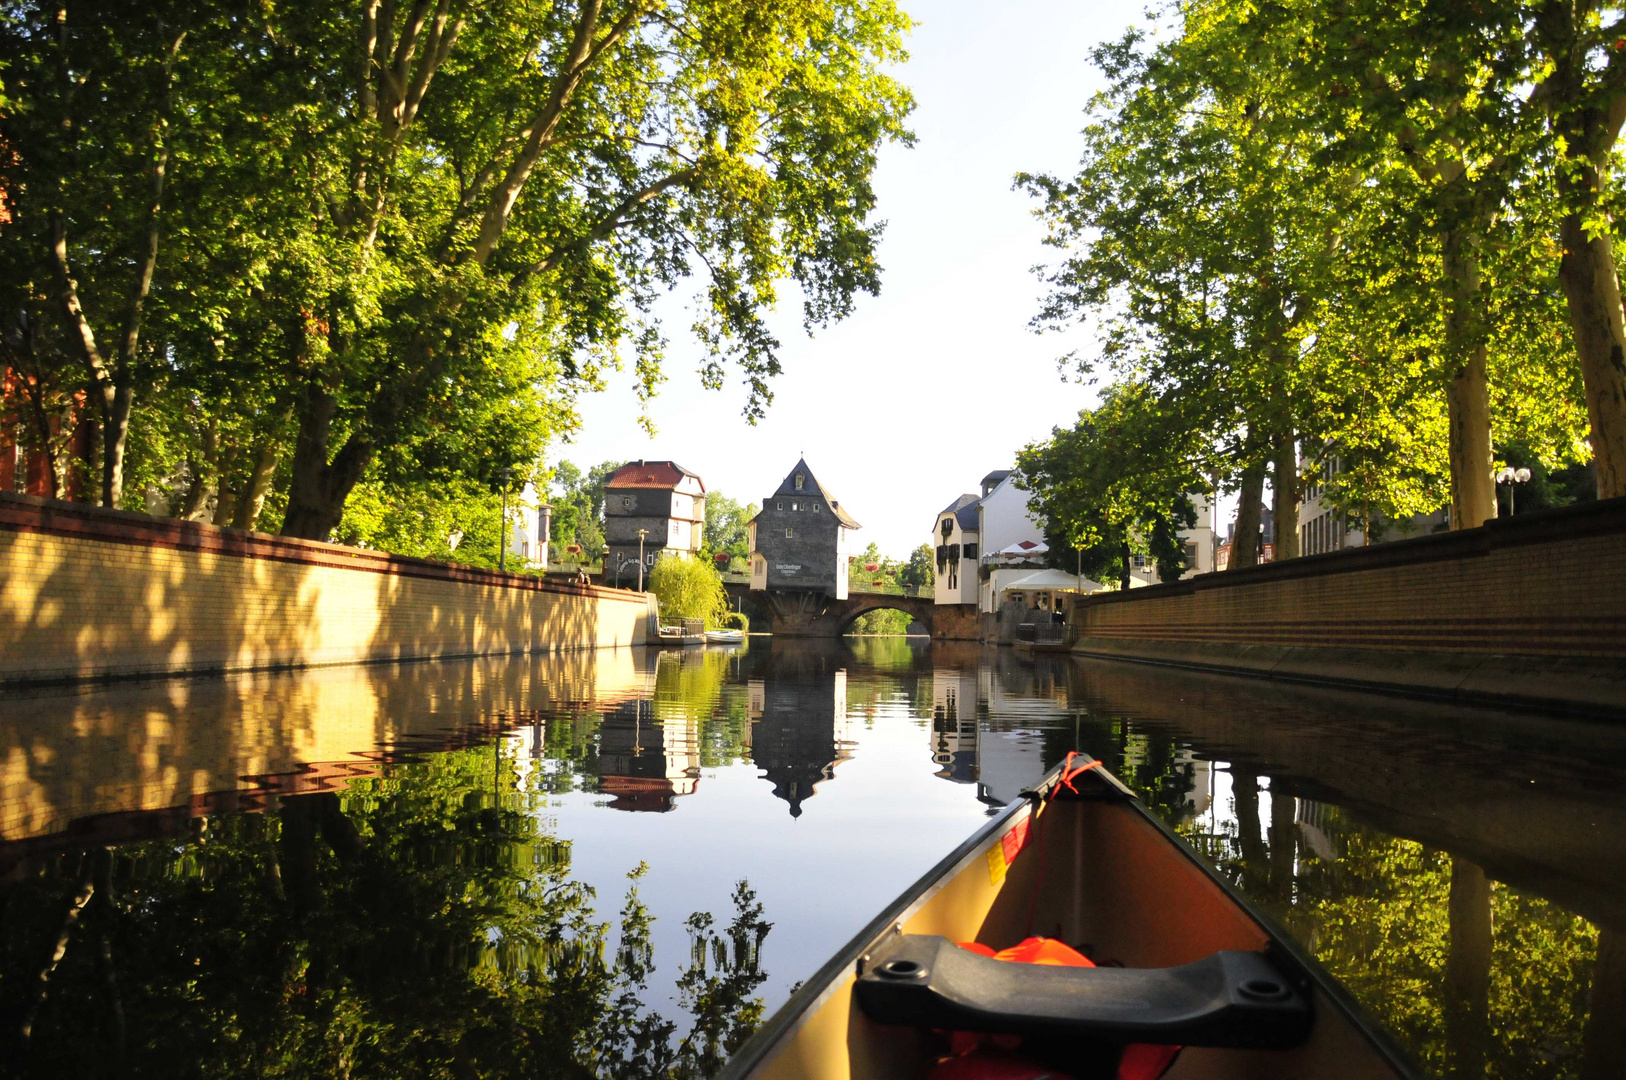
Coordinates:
(411, 869)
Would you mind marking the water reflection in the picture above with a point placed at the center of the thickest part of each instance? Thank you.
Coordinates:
(533, 866)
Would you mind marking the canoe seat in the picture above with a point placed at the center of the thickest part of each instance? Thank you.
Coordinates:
(1228, 999)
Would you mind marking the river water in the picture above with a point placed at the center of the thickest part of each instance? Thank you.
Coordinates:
(616, 863)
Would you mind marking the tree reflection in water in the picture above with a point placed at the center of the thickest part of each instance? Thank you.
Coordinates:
(422, 923)
(1475, 978)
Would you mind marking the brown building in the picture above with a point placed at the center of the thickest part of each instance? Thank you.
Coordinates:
(661, 498)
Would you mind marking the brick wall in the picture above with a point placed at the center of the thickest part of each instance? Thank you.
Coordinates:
(1546, 584)
(91, 593)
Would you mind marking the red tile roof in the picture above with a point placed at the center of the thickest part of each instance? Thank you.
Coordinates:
(663, 475)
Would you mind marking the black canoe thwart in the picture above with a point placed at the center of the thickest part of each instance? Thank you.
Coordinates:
(1230, 999)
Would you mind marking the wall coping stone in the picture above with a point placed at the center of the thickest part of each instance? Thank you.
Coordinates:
(31, 513)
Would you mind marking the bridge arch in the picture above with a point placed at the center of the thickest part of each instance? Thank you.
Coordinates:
(871, 603)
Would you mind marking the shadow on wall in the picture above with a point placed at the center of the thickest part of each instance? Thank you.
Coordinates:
(88, 593)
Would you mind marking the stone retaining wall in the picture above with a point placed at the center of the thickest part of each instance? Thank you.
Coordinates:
(87, 593)
(1530, 609)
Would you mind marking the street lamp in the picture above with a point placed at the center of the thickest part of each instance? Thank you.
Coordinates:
(1511, 476)
(502, 546)
(641, 534)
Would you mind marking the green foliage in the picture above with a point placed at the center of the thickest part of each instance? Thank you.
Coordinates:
(417, 926)
(688, 588)
(921, 571)
(578, 509)
(726, 522)
(886, 577)
(882, 621)
(401, 268)
(1305, 224)
(1116, 483)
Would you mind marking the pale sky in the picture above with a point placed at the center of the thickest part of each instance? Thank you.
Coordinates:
(938, 380)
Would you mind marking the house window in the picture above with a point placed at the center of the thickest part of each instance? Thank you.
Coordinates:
(800, 480)
(794, 505)
(649, 560)
(780, 505)
(790, 534)
(815, 508)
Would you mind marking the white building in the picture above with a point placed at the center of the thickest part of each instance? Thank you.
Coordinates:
(1012, 538)
(1201, 543)
(1324, 527)
(984, 540)
(957, 542)
(530, 519)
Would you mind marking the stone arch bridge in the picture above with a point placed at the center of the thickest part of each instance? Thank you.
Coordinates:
(805, 614)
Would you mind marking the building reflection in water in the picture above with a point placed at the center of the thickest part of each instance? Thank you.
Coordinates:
(643, 762)
(799, 733)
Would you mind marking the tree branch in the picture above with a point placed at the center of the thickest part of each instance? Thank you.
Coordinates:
(609, 223)
(584, 51)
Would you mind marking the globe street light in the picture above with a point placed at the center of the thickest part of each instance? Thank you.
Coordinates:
(1511, 476)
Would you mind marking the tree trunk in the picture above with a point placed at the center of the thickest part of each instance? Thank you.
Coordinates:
(115, 436)
(1473, 487)
(1284, 836)
(1123, 581)
(1249, 835)
(104, 955)
(1587, 272)
(1284, 480)
(1467, 971)
(198, 489)
(226, 488)
(1249, 511)
(252, 498)
(319, 489)
(35, 995)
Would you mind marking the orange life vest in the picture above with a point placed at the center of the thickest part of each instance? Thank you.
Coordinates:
(976, 1056)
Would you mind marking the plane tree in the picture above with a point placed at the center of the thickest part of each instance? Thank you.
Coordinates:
(390, 242)
(1195, 238)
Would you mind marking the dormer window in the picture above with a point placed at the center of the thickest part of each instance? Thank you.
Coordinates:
(801, 479)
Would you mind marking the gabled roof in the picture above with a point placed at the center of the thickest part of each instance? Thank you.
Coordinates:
(811, 486)
(964, 510)
(663, 475)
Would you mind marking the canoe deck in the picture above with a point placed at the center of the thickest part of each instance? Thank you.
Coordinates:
(1097, 873)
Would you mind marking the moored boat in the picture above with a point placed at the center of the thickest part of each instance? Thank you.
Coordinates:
(1143, 963)
(724, 637)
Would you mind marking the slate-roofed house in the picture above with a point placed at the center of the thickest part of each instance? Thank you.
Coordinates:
(662, 498)
(957, 539)
(800, 538)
